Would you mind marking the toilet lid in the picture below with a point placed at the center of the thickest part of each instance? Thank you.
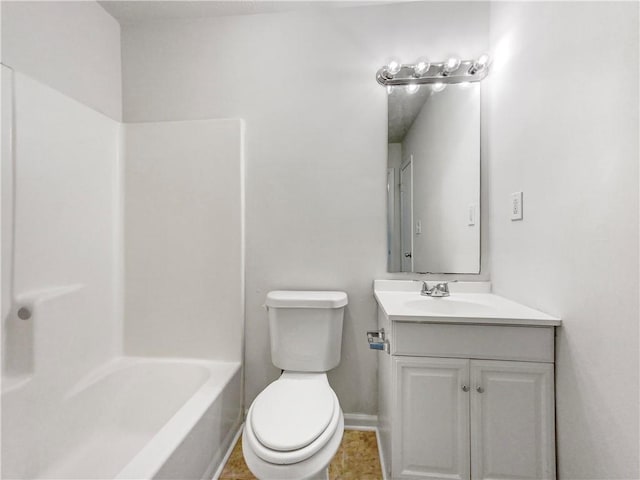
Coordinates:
(293, 411)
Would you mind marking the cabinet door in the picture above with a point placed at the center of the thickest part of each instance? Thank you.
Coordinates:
(431, 418)
(512, 420)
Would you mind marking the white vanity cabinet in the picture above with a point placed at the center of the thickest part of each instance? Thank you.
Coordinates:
(465, 397)
(512, 420)
(482, 419)
(430, 437)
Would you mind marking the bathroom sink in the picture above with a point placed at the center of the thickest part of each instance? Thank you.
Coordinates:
(448, 306)
(469, 302)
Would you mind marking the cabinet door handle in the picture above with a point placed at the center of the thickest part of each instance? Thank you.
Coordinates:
(465, 388)
(479, 389)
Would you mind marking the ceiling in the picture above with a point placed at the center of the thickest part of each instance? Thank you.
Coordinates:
(403, 110)
(127, 12)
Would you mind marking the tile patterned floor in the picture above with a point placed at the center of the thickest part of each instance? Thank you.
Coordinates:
(356, 459)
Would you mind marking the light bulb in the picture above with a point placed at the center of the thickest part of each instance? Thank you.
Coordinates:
(438, 87)
(451, 65)
(480, 64)
(412, 88)
(393, 67)
(421, 66)
(483, 59)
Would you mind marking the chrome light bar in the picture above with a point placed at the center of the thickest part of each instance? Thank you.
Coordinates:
(451, 71)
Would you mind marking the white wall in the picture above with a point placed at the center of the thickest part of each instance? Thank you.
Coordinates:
(563, 123)
(444, 141)
(184, 245)
(316, 143)
(72, 46)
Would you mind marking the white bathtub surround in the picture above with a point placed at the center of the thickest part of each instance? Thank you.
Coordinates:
(72, 406)
(64, 263)
(7, 190)
(184, 239)
(64, 257)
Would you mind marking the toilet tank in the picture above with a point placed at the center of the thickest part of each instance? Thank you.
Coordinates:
(305, 329)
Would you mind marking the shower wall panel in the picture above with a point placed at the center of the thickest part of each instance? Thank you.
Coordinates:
(63, 266)
(184, 243)
(66, 251)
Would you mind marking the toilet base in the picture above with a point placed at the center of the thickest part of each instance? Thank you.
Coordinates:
(314, 468)
(324, 475)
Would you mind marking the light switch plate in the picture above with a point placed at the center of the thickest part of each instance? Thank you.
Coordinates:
(471, 215)
(516, 206)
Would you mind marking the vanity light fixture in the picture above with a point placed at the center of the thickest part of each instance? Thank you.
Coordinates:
(394, 67)
(423, 72)
(479, 65)
(391, 69)
(450, 66)
(421, 67)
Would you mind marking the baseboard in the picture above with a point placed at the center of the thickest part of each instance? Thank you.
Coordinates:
(360, 421)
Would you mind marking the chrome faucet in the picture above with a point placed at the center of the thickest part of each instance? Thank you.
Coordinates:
(440, 289)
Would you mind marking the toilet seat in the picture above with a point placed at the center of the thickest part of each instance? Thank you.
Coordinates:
(293, 411)
(313, 468)
(293, 418)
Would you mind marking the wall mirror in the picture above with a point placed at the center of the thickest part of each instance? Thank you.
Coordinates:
(433, 178)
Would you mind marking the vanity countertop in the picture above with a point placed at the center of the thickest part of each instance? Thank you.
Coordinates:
(469, 302)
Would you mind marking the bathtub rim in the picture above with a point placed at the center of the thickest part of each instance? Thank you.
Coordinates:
(123, 362)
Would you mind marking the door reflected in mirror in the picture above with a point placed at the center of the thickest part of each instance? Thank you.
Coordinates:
(433, 179)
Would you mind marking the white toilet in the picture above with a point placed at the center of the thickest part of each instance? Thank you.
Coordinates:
(294, 426)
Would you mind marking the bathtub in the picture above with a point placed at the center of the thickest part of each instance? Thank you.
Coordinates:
(133, 418)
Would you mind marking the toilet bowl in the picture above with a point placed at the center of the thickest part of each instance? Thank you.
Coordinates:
(294, 426)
